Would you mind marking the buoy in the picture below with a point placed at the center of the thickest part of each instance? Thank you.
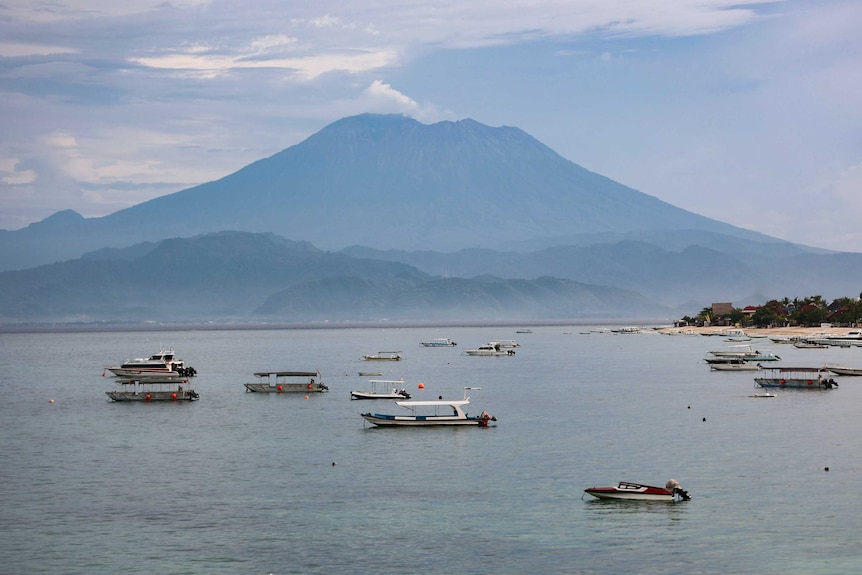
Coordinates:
(421, 386)
(278, 387)
(148, 396)
(333, 464)
(824, 469)
(704, 419)
(173, 396)
(50, 401)
(306, 397)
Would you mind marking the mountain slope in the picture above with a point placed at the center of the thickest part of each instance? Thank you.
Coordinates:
(387, 182)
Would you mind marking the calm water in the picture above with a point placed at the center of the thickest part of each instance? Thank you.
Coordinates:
(241, 483)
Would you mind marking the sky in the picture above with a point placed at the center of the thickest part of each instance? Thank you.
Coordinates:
(746, 112)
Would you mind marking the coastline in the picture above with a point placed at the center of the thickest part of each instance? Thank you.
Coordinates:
(759, 331)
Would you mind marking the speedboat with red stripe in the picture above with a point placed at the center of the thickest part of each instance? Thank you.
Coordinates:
(640, 492)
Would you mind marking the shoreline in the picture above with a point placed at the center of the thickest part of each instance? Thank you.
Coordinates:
(760, 331)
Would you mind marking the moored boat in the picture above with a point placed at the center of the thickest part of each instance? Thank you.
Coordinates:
(431, 413)
(796, 378)
(154, 388)
(383, 356)
(163, 362)
(841, 370)
(383, 389)
(439, 342)
(287, 382)
(628, 491)
(490, 349)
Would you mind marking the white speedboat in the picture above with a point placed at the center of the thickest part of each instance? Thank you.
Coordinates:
(287, 382)
(639, 492)
(383, 389)
(431, 413)
(164, 362)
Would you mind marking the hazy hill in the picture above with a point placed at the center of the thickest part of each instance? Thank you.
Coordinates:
(237, 276)
(390, 182)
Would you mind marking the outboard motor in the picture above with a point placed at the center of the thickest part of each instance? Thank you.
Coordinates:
(673, 486)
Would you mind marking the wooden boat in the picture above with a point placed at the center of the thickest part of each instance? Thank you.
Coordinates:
(383, 389)
(439, 342)
(154, 388)
(383, 356)
(287, 382)
(735, 366)
(432, 413)
(638, 492)
(796, 378)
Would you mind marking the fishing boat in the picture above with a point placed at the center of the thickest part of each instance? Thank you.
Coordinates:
(735, 366)
(796, 378)
(490, 349)
(432, 413)
(638, 492)
(383, 389)
(383, 356)
(153, 388)
(163, 362)
(439, 342)
(287, 382)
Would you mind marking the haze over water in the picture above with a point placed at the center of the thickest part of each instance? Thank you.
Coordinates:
(248, 483)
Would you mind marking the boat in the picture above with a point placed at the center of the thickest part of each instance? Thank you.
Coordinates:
(628, 491)
(841, 370)
(735, 366)
(850, 338)
(370, 374)
(490, 349)
(287, 382)
(383, 389)
(527, 330)
(796, 378)
(163, 362)
(383, 356)
(745, 353)
(764, 394)
(431, 413)
(804, 344)
(154, 388)
(506, 343)
(439, 342)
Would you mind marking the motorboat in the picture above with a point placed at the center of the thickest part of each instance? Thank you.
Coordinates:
(431, 413)
(163, 362)
(840, 370)
(383, 356)
(506, 343)
(287, 382)
(638, 492)
(439, 342)
(735, 366)
(745, 353)
(490, 349)
(383, 389)
(796, 378)
(154, 388)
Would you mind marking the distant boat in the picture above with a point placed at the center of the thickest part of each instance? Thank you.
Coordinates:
(734, 366)
(796, 378)
(383, 356)
(287, 382)
(523, 331)
(490, 349)
(154, 388)
(439, 342)
(840, 370)
(383, 389)
(163, 362)
(638, 492)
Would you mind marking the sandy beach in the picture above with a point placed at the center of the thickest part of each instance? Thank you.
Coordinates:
(755, 332)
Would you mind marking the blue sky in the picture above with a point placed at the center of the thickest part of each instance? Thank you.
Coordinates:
(747, 112)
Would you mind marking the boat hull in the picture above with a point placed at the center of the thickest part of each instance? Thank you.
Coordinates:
(612, 493)
(153, 396)
(794, 383)
(423, 421)
(369, 395)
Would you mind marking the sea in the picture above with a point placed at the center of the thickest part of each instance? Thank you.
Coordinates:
(259, 484)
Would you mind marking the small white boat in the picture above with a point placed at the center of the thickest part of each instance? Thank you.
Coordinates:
(287, 382)
(490, 349)
(383, 356)
(439, 342)
(638, 492)
(383, 389)
(734, 366)
(431, 413)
